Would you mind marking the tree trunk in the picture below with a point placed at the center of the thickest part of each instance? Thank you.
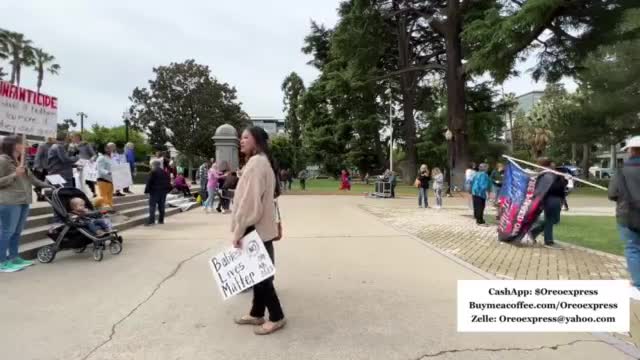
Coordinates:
(408, 84)
(511, 136)
(586, 157)
(456, 93)
(18, 75)
(40, 77)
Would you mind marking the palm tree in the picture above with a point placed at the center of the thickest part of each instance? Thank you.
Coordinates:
(42, 62)
(3, 51)
(20, 53)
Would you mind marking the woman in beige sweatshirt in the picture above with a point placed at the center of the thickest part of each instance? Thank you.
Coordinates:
(254, 208)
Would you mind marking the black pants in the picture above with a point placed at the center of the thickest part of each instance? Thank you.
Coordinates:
(303, 184)
(393, 190)
(265, 297)
(479, 204)
(156, 200)
(92, 186)
(552, 210)
(40, 175)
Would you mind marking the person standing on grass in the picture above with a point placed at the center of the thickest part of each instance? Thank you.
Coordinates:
(438, 186)
(303, 176)
(255, 209)
(158, 186)
(345, 183)
(480, 187)
(423, 186)
(624, 189)
(289, 178)
(552, 205)
(16, 182)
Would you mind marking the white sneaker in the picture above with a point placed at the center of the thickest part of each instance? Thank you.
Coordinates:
(634, 293)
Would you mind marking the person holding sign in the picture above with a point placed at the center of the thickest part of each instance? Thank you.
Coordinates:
(16, 183)
(254, 208)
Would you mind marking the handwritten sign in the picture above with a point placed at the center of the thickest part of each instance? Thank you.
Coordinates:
(25, 111)
(236, 270)
(121, 176)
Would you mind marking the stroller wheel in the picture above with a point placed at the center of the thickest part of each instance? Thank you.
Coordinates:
(46, 254)
(80, 250)
(98, 254)
(115, 248)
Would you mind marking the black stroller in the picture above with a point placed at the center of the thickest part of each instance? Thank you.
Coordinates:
(72, 234)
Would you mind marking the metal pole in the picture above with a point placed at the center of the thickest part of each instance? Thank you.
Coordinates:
(82, 116)
(391, 125)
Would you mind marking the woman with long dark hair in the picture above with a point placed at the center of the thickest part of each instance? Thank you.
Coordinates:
(254, 208)
(16, 195)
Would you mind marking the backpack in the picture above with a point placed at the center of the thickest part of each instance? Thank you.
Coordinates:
(633, 216)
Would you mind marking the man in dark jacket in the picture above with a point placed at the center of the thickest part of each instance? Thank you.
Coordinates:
(624, 189)
(60, 162)
(158, 186)
(552, 205)
(41, 164)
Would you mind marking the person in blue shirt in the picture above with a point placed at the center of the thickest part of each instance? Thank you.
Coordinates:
(130, 155)
(480, 187)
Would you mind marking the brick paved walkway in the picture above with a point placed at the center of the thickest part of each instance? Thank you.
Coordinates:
(454, 231)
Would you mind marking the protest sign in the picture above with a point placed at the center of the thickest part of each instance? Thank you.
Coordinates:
(236, 270)
(25, 111)
(121, 176)
(90, 171)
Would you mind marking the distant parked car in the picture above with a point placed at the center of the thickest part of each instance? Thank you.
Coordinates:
(570, 170)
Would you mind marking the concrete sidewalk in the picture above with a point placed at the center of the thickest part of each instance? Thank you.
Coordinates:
(351, 286)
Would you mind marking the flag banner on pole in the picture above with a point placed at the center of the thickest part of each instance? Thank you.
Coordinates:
(521, 202)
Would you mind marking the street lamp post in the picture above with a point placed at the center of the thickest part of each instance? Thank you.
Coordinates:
(391, 127)
(127, 122)
(82, 116)
(449, 136)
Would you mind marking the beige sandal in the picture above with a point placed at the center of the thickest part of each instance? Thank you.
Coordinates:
(261, 330)
(249, 320)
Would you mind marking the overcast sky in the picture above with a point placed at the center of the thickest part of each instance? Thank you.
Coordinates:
(107, 48)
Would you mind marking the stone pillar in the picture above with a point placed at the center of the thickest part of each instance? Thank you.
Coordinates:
(227, 143)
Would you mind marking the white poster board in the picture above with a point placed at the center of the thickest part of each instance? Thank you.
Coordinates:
(90, 171)
(236, 270)
(55, 179)
(25, 111)
(121, 176)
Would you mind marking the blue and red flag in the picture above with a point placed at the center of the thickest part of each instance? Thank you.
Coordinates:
(521, 202)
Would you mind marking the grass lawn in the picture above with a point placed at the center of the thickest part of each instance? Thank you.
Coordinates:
(586, 190)
(327, 186)
(594, 232)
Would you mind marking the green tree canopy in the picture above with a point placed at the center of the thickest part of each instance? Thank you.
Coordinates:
(186, 100)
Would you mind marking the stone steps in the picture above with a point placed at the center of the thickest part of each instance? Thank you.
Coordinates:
(132, 210)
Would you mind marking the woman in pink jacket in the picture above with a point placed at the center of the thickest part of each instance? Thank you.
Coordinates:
(212, 187)
(255, 209)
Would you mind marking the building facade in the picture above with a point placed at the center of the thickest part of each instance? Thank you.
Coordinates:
(273, 126)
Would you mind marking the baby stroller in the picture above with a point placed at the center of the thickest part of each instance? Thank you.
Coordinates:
(71, 234)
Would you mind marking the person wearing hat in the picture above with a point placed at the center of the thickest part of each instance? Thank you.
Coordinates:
(624, 189)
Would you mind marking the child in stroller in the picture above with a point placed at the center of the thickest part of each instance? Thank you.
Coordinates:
(74, 233)
(92, 220)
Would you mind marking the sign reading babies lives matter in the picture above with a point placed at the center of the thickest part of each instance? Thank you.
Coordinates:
(236, 270)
